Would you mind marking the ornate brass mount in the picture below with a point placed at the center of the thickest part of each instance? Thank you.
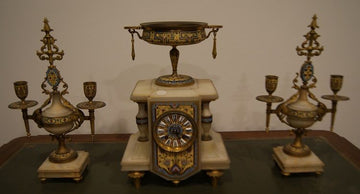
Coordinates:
(56, 115)
(298, 112)
(173, 34)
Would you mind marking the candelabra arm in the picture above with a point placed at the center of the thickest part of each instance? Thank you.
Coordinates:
(90, 106)
(268, 112)
(334, 100)
(92, 123)
(26, 121)
(333, 113)
(90, 118)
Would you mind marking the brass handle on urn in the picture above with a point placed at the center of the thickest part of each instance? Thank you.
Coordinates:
(132, 31)
(214, 30)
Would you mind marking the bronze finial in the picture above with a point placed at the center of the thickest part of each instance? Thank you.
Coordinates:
(46, 27)
(310, 47)
(49, 51)
(313, 24)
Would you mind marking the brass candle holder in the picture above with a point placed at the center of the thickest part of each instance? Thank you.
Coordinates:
(57, 115)
(298, 112)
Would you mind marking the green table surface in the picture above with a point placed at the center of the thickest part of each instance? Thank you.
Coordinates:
(252, 170)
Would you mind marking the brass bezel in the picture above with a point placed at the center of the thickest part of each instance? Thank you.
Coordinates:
(170, 148)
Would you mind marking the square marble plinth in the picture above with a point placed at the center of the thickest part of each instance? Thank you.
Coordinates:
(291, 164)
(73, 169)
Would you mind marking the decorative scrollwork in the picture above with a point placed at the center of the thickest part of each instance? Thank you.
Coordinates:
(310, 47)
(43, 86)
(282, 110)
(80, 117)
(65, 86)
(313, 84)
(295, 80)
(322, 109)
(67, 104)
(49, 51)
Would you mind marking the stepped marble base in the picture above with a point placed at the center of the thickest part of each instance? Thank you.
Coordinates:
(73, 169)
(137, 155)
(213, 155)
(291, 164)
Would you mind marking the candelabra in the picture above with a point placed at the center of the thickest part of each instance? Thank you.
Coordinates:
(57, 115)
(298, 112)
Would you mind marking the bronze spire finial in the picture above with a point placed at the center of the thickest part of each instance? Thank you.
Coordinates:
(313, 24)
(49, 51)
(310, 47)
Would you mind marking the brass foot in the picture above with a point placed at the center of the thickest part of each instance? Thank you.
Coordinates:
(318, 173)
(43, 179)
(78, 179)
(136, 176)
(176, 182)
(285, 173)
(215, 176)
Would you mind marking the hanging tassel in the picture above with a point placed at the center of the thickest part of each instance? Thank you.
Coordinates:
(214, 52)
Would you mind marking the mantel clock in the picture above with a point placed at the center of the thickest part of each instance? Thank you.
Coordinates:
(175, 139)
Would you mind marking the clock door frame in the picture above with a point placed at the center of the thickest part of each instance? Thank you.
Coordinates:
(156, 108)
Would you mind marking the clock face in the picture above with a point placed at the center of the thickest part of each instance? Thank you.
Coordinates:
(174, 131)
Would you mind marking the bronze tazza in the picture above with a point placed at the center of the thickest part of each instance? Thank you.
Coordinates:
(173, 33)
(56, 115)
(297, 111)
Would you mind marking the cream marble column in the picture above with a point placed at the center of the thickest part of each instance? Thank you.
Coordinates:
(206, 120)
(142, 122)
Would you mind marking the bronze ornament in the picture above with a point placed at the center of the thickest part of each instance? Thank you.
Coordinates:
(173, 33)
(56, 115)
(297, 111)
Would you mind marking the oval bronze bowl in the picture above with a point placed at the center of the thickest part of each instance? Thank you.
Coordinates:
(174, 33)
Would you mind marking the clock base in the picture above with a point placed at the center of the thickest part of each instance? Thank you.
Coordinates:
(73, 169)
(137, 155)
(213, 156)
(292, 164)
